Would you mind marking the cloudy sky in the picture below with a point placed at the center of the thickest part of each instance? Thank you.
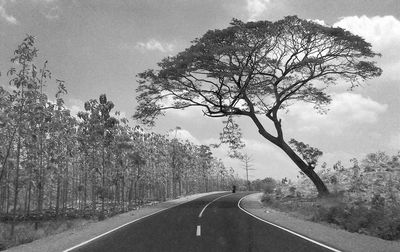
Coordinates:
(99, 47)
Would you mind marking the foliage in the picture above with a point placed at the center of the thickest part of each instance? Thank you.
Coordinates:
(365, 198)
(256, 70)
(27, 232)
(309, 154)
(232, 136)
(55, 165)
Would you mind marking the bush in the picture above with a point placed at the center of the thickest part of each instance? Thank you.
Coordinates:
(269, 185)
(355, 205)
(389, 229)
(269, 188)
(357, 219)
(267, 198)
(378, 202)
(335, 214)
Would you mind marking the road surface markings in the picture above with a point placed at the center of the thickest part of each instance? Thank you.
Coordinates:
(198, 230)
(285, 229)
(202, 211)
(112, 230)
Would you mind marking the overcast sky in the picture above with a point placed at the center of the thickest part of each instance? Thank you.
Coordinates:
(99, 47)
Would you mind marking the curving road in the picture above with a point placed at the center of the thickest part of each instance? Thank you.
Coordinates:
(210, 223)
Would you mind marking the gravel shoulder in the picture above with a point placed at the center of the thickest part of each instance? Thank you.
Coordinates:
(72, 237)
(337, 238)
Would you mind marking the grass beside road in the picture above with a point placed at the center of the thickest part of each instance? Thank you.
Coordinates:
(364, 199)
(82, 231)
(324, 233)
(372, 218)
(26, 232)
(35, 226)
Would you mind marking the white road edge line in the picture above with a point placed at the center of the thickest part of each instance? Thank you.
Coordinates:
(209, 203)
(285, 229)
(112, 230)
(198, 230)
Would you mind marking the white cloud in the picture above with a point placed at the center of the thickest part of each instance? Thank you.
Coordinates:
(155, 45)
(52, 13)
(318, 21)
(331, 158)
(380, 31)
(183, 134)
(346, 109)
(75, 106)
(255, 8)
(3, 13)
(266, 159)
(187, 113)
(384, 35)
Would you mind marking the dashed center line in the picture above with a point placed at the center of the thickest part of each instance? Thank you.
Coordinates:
(198, 230)
(202, 211)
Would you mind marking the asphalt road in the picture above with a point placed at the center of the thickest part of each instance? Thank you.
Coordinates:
(221, 227)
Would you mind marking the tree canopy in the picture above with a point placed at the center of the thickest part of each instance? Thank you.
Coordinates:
(257, 69)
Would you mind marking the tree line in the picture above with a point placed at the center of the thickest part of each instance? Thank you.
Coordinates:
(95, 163)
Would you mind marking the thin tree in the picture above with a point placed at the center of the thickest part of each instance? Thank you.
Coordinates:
(257, 70)
(246, 160)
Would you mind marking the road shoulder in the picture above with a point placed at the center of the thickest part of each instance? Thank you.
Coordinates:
(337, 238)
(70, 238)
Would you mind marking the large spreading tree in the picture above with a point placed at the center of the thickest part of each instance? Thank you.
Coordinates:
(257, 70)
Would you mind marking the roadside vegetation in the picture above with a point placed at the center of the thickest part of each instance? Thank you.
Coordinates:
(57, 166)
(365, 196)
(58, 170)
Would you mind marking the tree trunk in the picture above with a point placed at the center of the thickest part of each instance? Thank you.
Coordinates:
(130, 192)
(123, 193)
(41, 173)
(10, 144)
(29, 192)
(85, 189)
(306, 169)
(58, 195)
(278, 141)
(16, 188)
(103, 194)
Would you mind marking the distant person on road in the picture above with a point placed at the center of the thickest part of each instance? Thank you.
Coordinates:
(233, 189)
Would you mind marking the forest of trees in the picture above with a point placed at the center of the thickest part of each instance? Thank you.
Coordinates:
(54, 163)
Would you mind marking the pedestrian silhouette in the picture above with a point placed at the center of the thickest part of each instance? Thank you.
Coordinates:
(233, 189)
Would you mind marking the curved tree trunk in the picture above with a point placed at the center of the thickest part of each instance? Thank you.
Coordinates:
(306, 169)
(278, 141)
